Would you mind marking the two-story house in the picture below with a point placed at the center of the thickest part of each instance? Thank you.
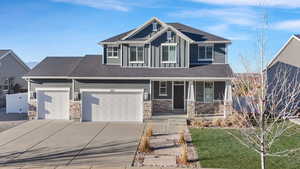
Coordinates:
(156, 68)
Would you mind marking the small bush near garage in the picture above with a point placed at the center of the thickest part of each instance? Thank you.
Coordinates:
(145, 145)
(233, 121)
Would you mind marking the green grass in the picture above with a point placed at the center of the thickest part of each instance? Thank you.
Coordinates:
(218, 149)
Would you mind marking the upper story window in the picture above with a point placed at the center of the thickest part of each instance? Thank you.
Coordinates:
(136, 54)
(163, 88)
(154, 26)
(169, 52)
(112, 52)
(205, 53)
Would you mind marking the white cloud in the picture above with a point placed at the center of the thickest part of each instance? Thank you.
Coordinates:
(236, 16)
(269, 3)
(117, 5)
(217, 29)
(288, 25)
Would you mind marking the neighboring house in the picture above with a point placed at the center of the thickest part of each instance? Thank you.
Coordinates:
(156, 68)
(12, 69)
(285, 66)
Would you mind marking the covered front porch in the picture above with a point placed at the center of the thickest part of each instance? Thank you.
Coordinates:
(191, 98)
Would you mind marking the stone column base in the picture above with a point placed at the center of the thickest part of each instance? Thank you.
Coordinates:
(191, 109)
(32, 110)
(147, 110)
(75, 110)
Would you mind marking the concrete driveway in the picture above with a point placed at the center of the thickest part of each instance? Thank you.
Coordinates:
(67, 143)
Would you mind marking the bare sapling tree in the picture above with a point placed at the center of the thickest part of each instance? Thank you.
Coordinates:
(267, 100)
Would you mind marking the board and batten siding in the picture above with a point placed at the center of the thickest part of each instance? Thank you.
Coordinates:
(126, 56)
(219, 54)
(111, 61)
(181, 51)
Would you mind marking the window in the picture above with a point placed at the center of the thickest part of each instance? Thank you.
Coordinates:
(163, 88)
(169, 53)
(169, 35)
(205, 92)
(205, 52)
(112, 52)
(136, 54)
(154, 26)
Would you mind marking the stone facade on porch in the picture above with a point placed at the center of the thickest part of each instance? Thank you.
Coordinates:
(161, 106)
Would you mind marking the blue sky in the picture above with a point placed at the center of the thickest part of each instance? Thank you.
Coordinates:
(35, 29)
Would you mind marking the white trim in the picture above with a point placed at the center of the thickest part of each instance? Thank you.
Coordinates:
(159, 87)
(143, 26)
(112, 90)
(73, 89)
(166, 29)
(125, 78)
(52, 89)
(281, 50)
(121, 54)
(204, 42)
(28, 89)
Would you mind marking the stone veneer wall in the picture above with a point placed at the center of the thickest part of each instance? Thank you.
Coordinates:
(147, 110)
(75, 110)
(32, 110)
(209, 108)
(163, 105)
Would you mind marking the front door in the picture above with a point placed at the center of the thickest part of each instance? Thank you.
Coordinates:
(178, 99)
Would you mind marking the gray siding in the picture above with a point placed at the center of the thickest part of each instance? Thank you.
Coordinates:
(182, 51)
(219, 90)
(219, 54)
(111, 61)
(145, 33)
(126, 56)
(11, 68)
(155, 90)
(51, 83)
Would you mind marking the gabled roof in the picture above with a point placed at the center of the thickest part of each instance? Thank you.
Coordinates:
(297, 37)
(8, 52)
(55, 66)
(190, 33)
(90, 67)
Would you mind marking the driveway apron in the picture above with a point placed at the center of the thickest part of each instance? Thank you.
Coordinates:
(60, 148)
(17, 147)
(115, 146)
(21, 130)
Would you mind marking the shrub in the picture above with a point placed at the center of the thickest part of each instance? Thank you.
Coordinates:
(217, 122)
(145, 145)
(183, 158)
(181, 138)
(149, 132)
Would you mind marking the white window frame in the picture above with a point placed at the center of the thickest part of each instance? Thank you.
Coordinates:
(168, 44)
(205, 52)
(164, 87)
(111, 49)
(169, 35)
(136, 56)
(213, 94)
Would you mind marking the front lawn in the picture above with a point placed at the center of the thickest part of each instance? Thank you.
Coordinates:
(218, 149)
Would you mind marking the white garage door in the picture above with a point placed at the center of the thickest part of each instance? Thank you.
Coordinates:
(53, 104)
(113, 105)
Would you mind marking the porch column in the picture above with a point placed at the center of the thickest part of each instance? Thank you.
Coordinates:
(191, 107)
(228, 99)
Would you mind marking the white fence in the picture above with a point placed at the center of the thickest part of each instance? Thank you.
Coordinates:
(16, 103)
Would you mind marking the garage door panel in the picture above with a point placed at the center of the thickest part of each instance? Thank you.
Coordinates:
(112, 106)
(53, 104)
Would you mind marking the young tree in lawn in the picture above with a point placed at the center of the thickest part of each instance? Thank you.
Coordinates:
(267, 103)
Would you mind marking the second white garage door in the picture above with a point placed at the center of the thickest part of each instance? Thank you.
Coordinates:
(112, 105)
